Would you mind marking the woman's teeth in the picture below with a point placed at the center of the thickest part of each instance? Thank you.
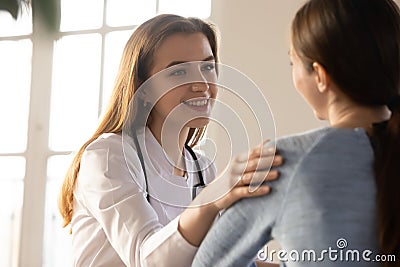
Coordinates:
(197, 103)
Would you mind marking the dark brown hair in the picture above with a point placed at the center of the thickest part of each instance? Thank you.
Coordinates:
(134, 70)
(358, 43)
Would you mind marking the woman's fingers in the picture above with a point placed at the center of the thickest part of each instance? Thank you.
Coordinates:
(258, 164)
(238, 193)
(259, 176)
(263, 152)
(278, 160)
(264, 163)
(243, 191)
(255, 153)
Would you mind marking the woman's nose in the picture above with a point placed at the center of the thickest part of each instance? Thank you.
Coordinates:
(200, 87)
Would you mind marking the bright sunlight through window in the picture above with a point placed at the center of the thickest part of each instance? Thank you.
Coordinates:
(73, 75)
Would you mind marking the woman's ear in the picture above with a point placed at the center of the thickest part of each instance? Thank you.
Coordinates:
(322, 78)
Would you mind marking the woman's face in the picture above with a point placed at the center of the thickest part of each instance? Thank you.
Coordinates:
(183, 89)
(305, 83)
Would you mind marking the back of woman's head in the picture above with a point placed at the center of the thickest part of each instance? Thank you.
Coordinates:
(358, 43)
(135, 67)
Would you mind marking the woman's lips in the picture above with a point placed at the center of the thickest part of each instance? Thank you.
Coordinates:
(198, 104)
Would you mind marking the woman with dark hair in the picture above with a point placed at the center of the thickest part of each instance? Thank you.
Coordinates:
(337, 201)
(113, 194)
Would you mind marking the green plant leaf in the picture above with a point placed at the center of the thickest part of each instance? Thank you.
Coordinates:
(11, 6)
(49, 12)
(46, 10)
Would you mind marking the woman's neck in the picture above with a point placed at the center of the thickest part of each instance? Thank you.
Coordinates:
(351, 115)
(173, 142)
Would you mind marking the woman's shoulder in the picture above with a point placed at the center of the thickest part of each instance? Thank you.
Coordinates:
(109, 157)
(324, 135)
(301, 142)
(106, 141)
(111, 149)
(99, 151)
(326, 144)
(113, 143)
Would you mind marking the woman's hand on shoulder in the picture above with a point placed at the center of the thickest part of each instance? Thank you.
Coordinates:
(266, 264)
(225, 190)
(246, 177)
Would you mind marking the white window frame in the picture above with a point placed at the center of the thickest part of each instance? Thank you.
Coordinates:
(31, 235)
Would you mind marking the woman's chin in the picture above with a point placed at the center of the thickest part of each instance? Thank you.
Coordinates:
(198, 123)
(319, 116)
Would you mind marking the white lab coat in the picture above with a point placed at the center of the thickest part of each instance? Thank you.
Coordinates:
(113, 224)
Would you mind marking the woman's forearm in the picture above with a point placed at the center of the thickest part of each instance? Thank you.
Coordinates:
(194, 223)
(266, 264)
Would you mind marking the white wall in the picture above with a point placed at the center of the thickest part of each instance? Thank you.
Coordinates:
(255, 40)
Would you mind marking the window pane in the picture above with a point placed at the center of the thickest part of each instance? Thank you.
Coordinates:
(11, 193)
(129, 12)
(114, 45)
(15, 69)
(186, 8)
(12, 27)
(81, 15)
(57, 240)
(75, 92)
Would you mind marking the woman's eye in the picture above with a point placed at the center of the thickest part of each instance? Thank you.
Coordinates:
(178, 73)
(208, 67)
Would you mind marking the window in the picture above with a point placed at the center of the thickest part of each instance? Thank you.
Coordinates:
(52, 93)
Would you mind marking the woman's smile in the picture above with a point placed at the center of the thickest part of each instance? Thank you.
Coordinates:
(198, 104)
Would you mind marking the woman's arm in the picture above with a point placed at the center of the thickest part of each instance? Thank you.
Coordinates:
(195, 222)
(266, 264)
(242, 230)
(117, 202)
(120, 214)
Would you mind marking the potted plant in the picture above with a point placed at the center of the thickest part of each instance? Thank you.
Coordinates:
(47, 10)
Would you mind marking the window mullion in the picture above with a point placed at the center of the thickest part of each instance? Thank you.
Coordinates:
(157, 6)
(103, 38)
(101, 89)
(32, 220)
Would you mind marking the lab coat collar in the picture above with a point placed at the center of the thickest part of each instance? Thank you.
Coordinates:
(164, 186)
(159, 159)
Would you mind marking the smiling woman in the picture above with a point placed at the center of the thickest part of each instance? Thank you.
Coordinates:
(180, 48)
(115, 194)
(67, 76)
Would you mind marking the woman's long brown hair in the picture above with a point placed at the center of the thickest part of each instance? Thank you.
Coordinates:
(135, 66)
(358, 43)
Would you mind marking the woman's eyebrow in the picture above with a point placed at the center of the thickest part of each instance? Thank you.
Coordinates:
(173, 63)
